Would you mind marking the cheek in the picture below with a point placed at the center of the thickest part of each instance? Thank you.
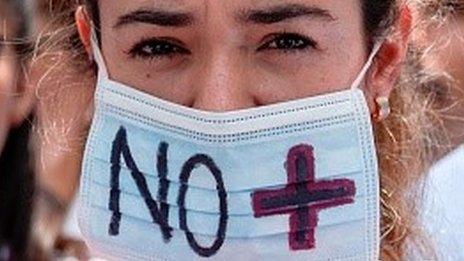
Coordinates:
(313, 78)
(332, 68)
(330, 72)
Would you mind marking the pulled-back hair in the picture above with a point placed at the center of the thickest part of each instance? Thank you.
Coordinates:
(405, 141)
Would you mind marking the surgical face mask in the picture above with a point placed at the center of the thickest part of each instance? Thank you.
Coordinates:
(291, 181)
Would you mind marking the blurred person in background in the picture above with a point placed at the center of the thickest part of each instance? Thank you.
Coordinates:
(444, 58)
(16, 104)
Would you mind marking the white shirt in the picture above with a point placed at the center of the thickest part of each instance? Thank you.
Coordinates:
(444, 206)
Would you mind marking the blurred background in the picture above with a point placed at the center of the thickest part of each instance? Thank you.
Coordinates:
(38, 177)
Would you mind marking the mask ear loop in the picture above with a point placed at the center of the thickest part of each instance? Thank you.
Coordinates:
(357, 82)
(98, 56)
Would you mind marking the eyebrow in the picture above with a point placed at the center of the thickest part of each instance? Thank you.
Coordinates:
(156, 17)
(281, 13)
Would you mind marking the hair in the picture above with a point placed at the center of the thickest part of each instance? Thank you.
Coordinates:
(405, 141)
(439, 10)
(16, 176)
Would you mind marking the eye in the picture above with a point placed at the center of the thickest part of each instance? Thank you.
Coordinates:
(158, 48)
(455, 6)
(288, 42)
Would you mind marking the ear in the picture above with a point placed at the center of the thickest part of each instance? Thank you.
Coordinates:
(25, 100)
(388, 63)
(84, 28)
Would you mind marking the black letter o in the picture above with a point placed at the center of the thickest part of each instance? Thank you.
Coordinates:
(184, 178)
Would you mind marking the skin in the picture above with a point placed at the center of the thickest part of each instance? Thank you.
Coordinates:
(221, 62)
(448, 55)
(16, 98)
(222, 74)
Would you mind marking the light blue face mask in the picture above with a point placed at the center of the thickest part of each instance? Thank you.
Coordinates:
(296, 180)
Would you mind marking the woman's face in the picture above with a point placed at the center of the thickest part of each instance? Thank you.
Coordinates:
(8, 71)
(211, 55)
(227, 55)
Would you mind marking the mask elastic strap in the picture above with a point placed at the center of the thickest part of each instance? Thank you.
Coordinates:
(97, 55)
(357, 82)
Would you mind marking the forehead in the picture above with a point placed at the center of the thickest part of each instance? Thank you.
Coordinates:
(337, 8)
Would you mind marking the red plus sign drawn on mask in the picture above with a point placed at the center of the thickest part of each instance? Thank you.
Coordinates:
(303, 197)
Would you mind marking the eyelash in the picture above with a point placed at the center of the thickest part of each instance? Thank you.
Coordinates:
(456, 6)
(152, 48)
(288, 42)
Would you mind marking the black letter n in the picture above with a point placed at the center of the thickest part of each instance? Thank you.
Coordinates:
(120, 147)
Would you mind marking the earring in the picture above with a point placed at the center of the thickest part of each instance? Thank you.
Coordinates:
(382, 109)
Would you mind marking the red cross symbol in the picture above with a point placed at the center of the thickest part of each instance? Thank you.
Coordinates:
(303, 197)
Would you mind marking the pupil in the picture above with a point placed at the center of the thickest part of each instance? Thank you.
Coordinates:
(162, 48)
(290, 43)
